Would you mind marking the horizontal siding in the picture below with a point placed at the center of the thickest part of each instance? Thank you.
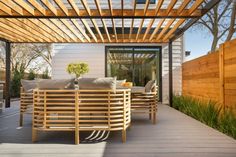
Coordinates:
(94, 55)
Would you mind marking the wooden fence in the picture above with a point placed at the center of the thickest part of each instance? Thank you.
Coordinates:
(213, 77)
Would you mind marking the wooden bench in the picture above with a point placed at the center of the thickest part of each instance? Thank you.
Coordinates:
(81, 110)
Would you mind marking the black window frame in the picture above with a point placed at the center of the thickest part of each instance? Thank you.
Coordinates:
(136, 47)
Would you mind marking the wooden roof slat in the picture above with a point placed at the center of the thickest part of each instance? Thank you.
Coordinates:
(11, 34)
(25, 6)
(182, 7)
(9, 37)
(60, 20)
(142, 21)
(158, 7)
(37, 30)
(49, 6)
(62, 6)
(73, 5)
(56, 29)
(67, 24)
(181, 21)
(38, 6)
(15, 30)
(13, 6)
(85, 4)
(80, 29)
(30, 30)
(103, 21)
(112, 19)
(5, 9)
(170, 22)
(49, 30)
(89, 29)
(132, 22)
(156, 29)
(170, 6)
(59, 25)
(122, 10)
(195, 5)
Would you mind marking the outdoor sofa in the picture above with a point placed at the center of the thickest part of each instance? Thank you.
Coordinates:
(55, 102)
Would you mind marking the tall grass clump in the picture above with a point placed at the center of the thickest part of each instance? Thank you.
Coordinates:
(207, 113)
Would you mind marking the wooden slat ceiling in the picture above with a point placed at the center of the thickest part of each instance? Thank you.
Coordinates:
(94, 21)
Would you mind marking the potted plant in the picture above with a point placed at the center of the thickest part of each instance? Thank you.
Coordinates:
(78, 69)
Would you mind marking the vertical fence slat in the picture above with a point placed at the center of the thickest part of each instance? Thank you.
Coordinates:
(221, 74)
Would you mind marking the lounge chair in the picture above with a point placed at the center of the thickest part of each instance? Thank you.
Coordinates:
(144, 100)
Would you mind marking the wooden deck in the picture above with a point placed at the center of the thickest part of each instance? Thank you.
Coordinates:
(175, 134)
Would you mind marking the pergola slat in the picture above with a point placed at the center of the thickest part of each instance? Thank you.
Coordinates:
(159, 36)
(158, 7)
(67, 24)
(49, 6)
(132, 22)
(89, 29)
(62, 6)
(26, 6)
(60, 20)
(112, 19)
(142, 21)
(56, 29)
(85, 4)
(103, 21)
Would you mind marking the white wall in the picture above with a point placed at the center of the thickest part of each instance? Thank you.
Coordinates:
(94, 55)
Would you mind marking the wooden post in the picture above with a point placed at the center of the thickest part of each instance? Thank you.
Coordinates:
(8, 75)
(170, 75)
(221, 75)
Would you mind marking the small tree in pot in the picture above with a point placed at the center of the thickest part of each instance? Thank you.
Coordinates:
(78, 69)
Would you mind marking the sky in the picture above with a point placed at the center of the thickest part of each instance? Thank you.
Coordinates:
(198, 42)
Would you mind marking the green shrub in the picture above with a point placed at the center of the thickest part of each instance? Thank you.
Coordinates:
(16, 82)
(207, 113)
(31, 75)
(227, 123)
(45, 74)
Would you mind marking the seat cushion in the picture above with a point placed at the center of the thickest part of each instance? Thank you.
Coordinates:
(55, 83)
(150, 85)
(108, 83)
(29, 85)
(137, 89)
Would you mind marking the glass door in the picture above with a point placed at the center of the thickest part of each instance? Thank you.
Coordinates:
(135, 64)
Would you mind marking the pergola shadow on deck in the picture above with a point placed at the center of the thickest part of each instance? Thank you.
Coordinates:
(94, 21)
(174, 135)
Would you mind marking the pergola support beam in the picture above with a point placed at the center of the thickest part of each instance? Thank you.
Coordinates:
(8, 75)
(170, 75)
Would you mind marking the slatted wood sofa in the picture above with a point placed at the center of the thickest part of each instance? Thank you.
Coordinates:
(81, 110)
(145, 101)
(26, 104)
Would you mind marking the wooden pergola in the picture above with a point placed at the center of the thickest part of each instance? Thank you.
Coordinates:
(97, 21)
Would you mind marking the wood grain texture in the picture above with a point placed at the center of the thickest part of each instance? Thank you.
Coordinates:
(81, 110)
(213, 77)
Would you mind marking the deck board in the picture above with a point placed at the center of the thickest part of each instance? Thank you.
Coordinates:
(175, 134)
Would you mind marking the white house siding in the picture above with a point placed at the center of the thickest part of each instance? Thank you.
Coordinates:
(94, 55)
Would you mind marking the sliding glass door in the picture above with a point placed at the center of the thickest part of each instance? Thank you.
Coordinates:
(135, 64)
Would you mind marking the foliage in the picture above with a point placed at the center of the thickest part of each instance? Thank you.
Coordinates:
(207, 113)
(45, 74)
(227, 123)
(27, 56)
(77, 68)
(18, 74)
(31, 75)
(219, 22)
